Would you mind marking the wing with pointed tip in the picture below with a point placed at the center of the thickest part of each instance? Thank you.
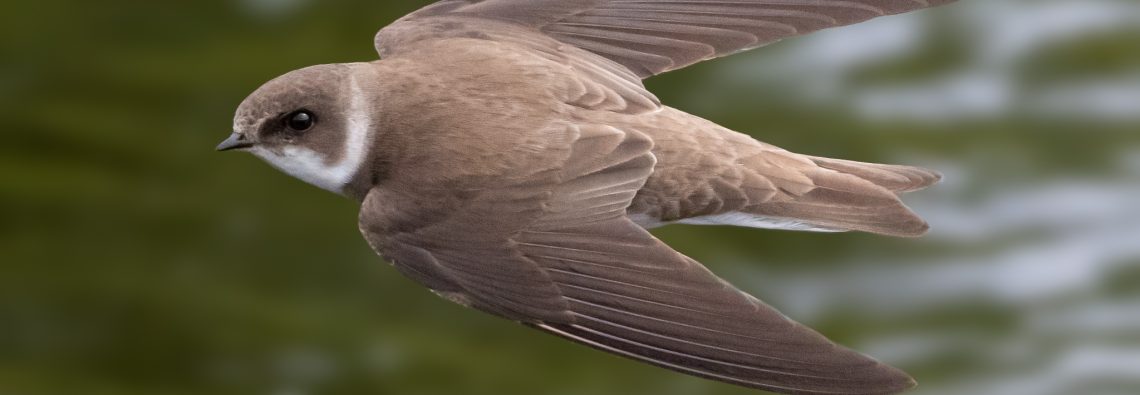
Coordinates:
(651, 37)
(553, 249)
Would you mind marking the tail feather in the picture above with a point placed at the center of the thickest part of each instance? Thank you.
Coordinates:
(709, 175)
(846, 201)
(895, 178)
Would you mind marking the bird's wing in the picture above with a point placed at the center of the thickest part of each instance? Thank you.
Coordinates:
(552, 248)
(651, 37)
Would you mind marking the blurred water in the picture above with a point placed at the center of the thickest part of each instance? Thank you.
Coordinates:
(1054, 254)
(139, 262)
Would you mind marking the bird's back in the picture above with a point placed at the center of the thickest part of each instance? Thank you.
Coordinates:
(710, 175)
(499, 99)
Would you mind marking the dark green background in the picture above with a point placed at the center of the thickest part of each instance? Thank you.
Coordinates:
(135, 260)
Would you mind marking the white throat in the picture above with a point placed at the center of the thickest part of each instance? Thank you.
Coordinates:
(309, 166)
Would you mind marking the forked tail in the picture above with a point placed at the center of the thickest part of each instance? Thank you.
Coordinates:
(853, 196)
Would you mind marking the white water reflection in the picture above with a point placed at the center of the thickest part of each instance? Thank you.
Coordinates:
(272, 8)
(1052, 257)
(1064, 237)
(1091, 370)
(1105, 99)
(1065, 335)
(998, 38)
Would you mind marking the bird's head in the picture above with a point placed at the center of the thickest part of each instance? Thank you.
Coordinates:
(313, 124)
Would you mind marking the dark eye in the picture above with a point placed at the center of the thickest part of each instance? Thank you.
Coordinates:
(300, 120)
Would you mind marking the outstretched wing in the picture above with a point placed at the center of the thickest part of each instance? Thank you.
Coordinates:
(651, 37)
(553, 249)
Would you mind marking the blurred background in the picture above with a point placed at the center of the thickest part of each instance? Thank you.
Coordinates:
(135, 260)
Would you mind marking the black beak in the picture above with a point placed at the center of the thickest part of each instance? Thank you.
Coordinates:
(236, 141)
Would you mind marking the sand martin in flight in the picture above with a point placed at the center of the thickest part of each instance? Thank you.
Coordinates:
(507, 156)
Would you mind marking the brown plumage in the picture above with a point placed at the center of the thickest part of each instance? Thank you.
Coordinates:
(508, 157)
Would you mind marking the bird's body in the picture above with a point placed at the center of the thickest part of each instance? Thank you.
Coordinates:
(510, 166)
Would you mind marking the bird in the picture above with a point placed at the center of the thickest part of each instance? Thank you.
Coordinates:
(507, 156)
